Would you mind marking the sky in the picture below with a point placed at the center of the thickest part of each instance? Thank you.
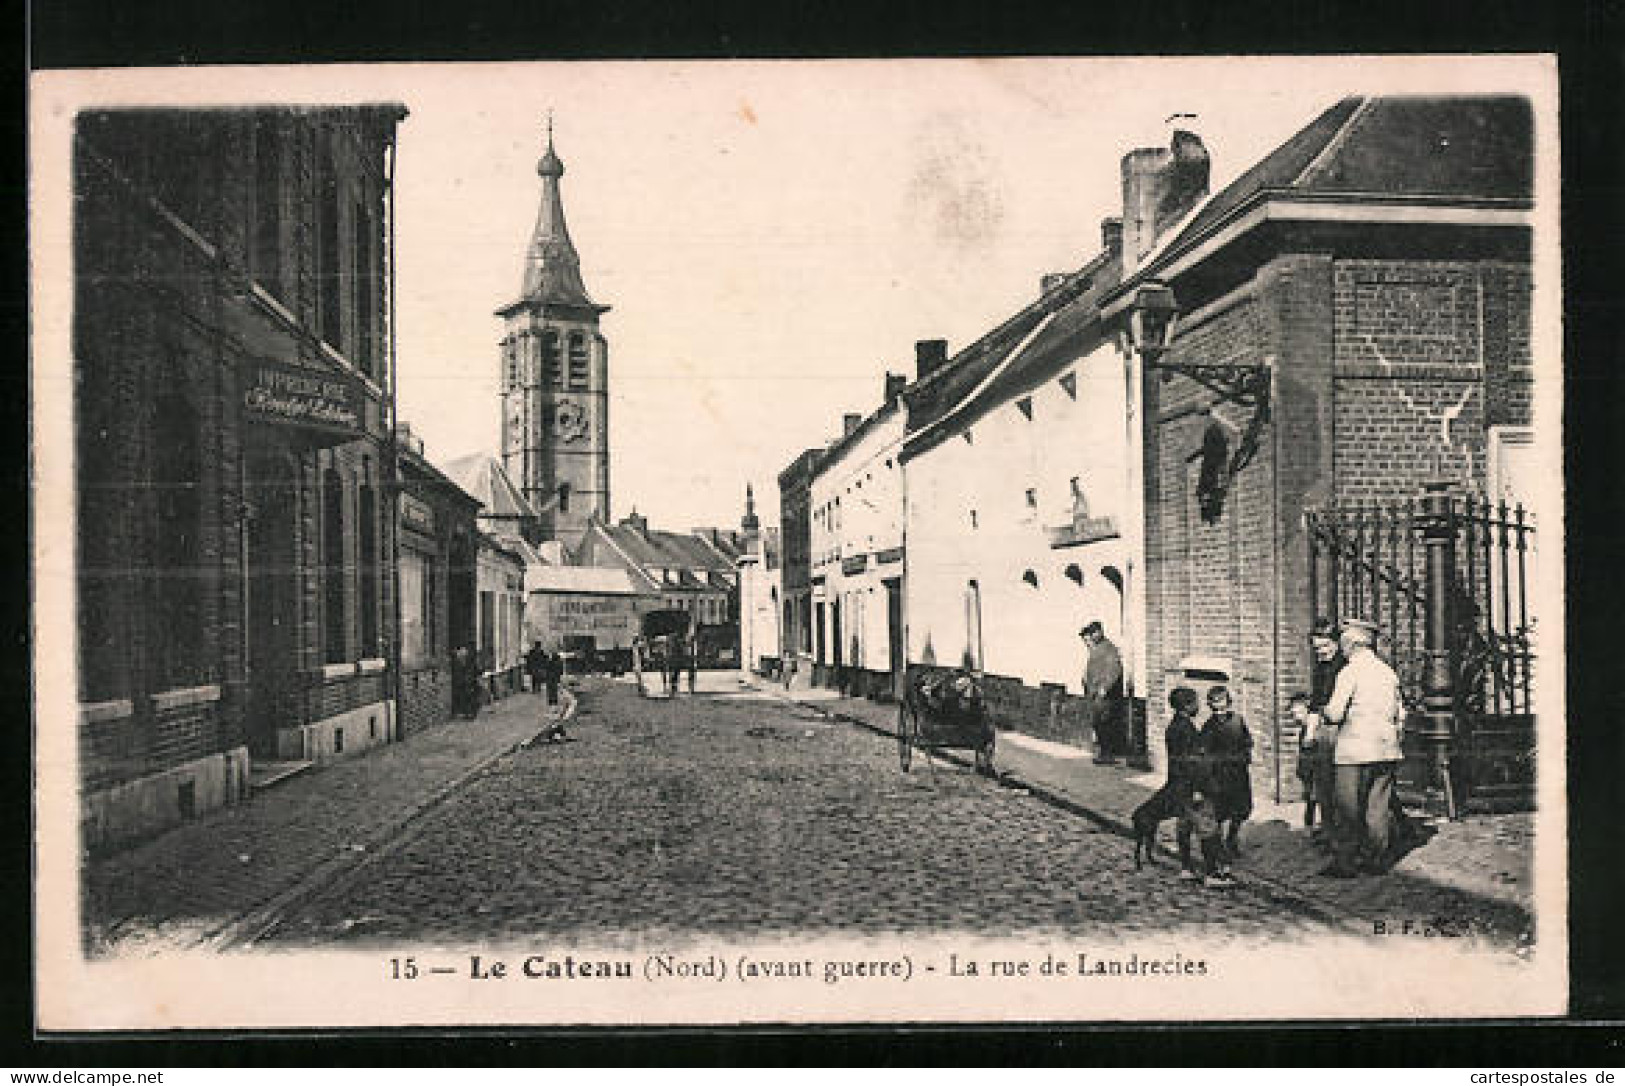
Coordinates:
(772, 237)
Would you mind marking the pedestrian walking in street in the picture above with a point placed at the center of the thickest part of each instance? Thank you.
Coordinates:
(674, 667)
(551, 674)
(1366, 703)
(639, 649)
(693, 663)
(1328, 661)
(461, 665)
(1171, 800)
(536, 667)
(1228, 746)
(1103, 693)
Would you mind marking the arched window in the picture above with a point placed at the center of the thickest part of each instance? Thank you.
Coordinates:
(177, 476)
(1030, 578)
(564, 497)
(1074, 574)
(1114, 575)
(335, 621)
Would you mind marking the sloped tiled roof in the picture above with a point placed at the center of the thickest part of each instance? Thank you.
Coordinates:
(671, 550)
(1463, 147)
(946, 390)
(484, 477)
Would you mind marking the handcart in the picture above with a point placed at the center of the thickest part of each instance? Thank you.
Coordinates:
(944, 710)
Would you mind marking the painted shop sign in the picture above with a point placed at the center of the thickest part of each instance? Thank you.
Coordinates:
(289, 396)
(611, 621)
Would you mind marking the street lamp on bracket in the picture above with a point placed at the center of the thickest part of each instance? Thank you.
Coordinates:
(1150, 334)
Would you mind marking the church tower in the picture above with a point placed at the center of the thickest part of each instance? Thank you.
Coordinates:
(555, 377)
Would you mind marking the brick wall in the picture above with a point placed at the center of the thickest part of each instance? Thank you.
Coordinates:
(425, 699)
(1387, 372)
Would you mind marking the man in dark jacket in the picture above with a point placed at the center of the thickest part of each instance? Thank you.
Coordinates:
(1103, 693)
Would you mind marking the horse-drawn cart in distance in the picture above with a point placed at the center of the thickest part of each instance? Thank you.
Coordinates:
(944, 710)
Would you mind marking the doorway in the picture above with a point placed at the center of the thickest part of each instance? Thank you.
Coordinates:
(271, 606)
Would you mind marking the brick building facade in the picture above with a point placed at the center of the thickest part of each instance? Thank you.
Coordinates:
(231, 396)
(1377, 264)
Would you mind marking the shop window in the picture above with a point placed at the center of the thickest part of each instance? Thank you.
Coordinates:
(336, 625)
(178, 572)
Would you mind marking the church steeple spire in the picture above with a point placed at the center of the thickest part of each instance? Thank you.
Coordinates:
(552, 265)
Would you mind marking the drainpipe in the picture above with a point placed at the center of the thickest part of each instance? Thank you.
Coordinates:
(393, 489)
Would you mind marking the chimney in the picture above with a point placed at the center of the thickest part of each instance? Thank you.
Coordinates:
(928, 355)
(1049, 282)
(1111, 234)
(1160, 184)
(895, 383)
(850, 422)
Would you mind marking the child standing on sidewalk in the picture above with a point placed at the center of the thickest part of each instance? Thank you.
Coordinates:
(1297, 707)
(1229, 749)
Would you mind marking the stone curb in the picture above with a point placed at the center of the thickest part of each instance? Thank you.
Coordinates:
(262, 919)
(1316, 908)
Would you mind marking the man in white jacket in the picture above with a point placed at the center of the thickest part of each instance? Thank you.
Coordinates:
(1366, 703)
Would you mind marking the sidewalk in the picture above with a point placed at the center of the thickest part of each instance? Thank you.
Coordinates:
(1474, 874)
(198, 881)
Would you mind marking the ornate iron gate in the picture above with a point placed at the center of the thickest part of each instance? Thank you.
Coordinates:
(1444, 578)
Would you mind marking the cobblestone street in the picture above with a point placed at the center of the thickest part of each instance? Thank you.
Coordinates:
(736, 812)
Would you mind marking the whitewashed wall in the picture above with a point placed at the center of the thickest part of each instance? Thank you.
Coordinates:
(869, 483)
(1027, 632)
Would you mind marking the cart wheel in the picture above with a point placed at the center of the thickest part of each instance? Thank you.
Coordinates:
(984, 755)
(905, 735)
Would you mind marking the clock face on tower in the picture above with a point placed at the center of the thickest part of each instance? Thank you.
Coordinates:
(570, 422)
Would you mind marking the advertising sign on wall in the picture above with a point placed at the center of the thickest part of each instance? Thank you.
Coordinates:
(285, 395)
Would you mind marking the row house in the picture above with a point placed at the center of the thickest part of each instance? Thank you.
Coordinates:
(1019, 503)
(439, 556)
(232, 421)
(795, 578)
(856, 535)
(1249, 409)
